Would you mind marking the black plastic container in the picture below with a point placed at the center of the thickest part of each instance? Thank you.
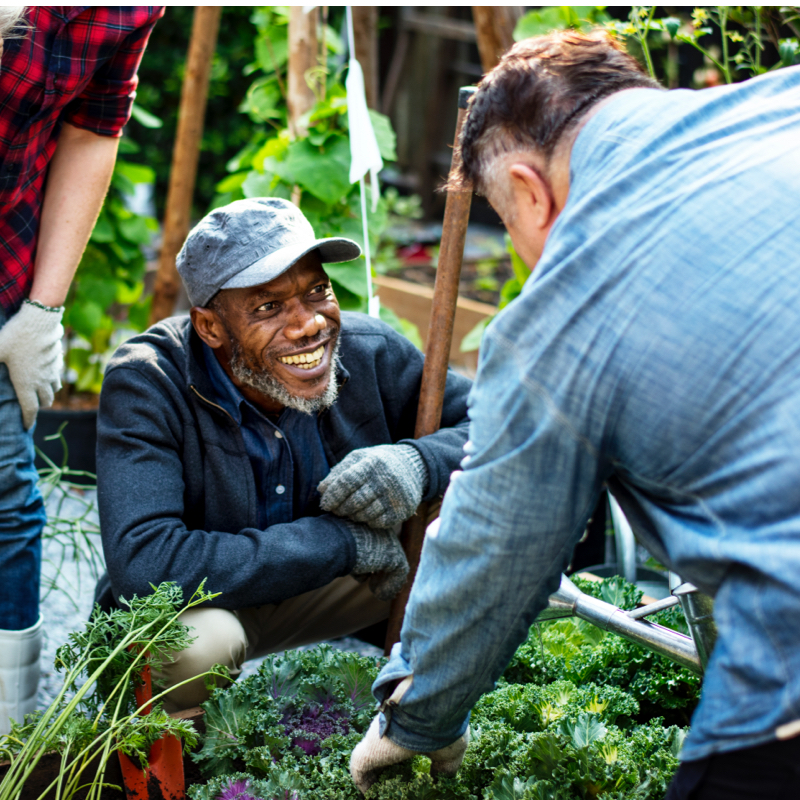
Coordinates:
(80, 435)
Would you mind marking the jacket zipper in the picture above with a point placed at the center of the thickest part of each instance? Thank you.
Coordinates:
(214, 405)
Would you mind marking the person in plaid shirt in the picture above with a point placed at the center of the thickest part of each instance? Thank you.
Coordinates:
(67, 83)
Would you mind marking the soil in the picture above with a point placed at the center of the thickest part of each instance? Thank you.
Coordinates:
(76, 401)
(471, 274)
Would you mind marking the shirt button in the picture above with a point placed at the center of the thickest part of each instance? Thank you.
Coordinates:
(280, 489)
(278, 435)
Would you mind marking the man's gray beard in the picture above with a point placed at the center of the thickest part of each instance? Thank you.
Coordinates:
(265, 382)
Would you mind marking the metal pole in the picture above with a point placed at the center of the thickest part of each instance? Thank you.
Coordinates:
(437, 352)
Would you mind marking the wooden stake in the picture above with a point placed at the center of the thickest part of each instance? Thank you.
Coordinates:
(365, 33)
(494, 26)
(302, 57)
(437, 352)
(185, 154)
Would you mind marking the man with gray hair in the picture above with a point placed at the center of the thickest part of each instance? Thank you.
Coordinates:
(265, 444)
(654, 351)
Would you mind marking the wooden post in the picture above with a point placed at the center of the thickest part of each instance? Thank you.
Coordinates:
(185, 154)
(365, 33)
(437, 352)
(302, 57)
(494, 26)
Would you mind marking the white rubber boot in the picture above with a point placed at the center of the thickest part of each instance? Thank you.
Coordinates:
(19, 673)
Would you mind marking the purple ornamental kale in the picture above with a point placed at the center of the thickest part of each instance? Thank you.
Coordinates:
(314, 723)
(240, 790)
(237, 790)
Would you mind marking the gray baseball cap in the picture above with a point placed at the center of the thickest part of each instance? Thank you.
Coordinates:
(250, 242)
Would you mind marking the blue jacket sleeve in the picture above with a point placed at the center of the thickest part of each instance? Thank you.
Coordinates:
(143, 502)
(509, 523)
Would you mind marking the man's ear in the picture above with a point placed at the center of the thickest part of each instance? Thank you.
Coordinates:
(209, 327)
(533, 196)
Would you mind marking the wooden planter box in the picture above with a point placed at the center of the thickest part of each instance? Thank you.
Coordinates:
(414, 302)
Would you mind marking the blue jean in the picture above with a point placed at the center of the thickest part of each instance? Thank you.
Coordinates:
(22, 514)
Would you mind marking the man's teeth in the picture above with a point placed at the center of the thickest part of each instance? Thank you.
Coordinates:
(305, 360)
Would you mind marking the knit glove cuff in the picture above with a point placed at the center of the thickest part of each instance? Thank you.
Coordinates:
(380, 486)
(30, 346)
(379, 555)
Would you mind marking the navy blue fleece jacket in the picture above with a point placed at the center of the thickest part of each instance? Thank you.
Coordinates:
(176, 490)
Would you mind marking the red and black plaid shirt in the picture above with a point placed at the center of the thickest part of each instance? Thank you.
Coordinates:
(75, 64)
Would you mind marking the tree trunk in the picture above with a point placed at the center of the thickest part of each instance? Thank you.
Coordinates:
(494, 26)
(185, 154)
(302, 57)
(365, 32)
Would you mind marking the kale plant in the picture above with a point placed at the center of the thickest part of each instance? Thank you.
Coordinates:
(579, 714)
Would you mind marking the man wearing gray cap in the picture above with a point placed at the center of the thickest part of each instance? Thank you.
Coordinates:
(264, 443)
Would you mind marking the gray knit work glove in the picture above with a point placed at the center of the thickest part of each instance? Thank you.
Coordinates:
(379, 559)
(30, 346)
(379, 486)
(373, 754)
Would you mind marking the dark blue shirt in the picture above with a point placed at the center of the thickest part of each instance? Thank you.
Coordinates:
(286, 453)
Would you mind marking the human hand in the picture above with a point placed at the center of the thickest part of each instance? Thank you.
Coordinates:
(374, 754)
(380, 559)
(30, 346)
(380, 486)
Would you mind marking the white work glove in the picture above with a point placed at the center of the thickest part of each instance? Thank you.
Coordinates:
(380, 486)
(373, 754)
(30, 346)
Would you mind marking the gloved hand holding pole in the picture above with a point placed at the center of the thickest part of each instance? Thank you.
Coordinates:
(380, 486)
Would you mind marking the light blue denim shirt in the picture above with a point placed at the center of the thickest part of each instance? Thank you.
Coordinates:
(656, 350)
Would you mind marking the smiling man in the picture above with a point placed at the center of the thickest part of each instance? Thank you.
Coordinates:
(264, 443)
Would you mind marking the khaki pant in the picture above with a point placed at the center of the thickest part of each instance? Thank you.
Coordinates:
(232, 637)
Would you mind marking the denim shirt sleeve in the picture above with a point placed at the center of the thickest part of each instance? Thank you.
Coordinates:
(509, 523)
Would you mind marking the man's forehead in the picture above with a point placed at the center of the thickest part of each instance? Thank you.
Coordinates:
(297, 276)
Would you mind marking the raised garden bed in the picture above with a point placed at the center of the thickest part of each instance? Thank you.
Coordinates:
(578, 713)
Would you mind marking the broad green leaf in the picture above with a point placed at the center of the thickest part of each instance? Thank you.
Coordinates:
(584, 731)
(272, 48)
(521, 270)
(789, 51)
(135, 173)
(135, 229)
(103, 230)
(322, 171)
(539, 23)
(351, 274)
(145, 117)
(84, 318)
(402, 326)
(258, 184)
(472, 341)
(385, 135)
(506, 786)
(232, 182)
(101, 291)
(90, 378)
(225, 714)
(126, 295)
(127, 146)
(139, 314)
(264, 99)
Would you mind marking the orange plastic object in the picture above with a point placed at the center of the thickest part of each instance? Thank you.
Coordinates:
(163, 779)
